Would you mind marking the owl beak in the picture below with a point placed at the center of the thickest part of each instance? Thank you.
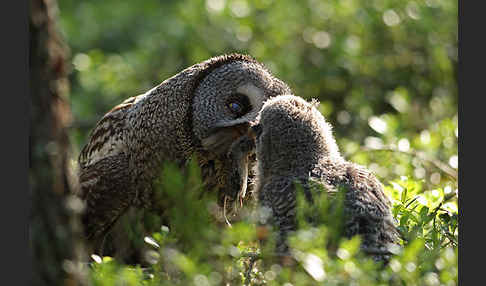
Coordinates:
(223, 135)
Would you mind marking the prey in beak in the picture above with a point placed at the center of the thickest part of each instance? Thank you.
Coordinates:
(233, 143)
(239, 157)
(224, 135)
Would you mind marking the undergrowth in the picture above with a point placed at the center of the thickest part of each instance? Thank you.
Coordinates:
(197, 249)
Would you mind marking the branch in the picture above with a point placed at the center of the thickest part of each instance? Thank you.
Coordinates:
(421, 155)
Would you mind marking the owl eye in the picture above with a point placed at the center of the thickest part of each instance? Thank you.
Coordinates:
(235, 107)
(239, 104)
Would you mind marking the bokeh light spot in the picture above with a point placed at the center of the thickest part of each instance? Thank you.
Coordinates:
(343, 117)
(454, 161)
(215, 5)
(413, 10)
(403, 145)
(373, 142)
(240, 8)
(81, 62)
(314, 266)
(377, 124)
(391, 18)
(425, 137)
(435, 178)
(321, 39)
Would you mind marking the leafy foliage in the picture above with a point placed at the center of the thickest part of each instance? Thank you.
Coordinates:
(385, 73)
(197, 250)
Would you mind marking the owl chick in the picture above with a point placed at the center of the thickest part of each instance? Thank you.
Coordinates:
(200, 111)
(294, 143)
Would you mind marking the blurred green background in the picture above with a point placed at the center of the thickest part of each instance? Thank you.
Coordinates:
(385, 71)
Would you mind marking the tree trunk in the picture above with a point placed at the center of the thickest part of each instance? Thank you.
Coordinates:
(55, 230)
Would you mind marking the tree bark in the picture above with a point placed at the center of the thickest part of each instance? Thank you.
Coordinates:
(55, 231)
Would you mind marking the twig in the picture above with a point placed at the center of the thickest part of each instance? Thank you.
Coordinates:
(254, 255)
(253, 258)
(438, 164)
(376, 251)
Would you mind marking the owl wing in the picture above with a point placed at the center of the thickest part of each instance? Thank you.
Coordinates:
(105, 187)
(368, 210)
(104, 177)
(107, 138)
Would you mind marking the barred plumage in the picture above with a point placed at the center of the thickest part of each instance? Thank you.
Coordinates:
(198, 111)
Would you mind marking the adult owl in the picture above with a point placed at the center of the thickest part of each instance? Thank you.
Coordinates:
(200, 111)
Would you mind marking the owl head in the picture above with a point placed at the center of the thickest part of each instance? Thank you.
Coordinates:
(292, 136)
(228, 99)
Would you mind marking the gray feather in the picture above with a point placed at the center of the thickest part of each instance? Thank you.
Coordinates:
(295, 144)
